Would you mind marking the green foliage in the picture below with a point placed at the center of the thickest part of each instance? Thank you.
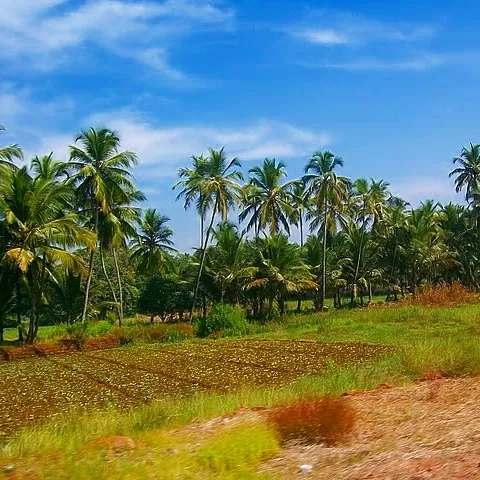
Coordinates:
(78, 334)
(225, 320)
(165, 297)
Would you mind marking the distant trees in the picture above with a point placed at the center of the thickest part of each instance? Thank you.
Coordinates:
(57, 215)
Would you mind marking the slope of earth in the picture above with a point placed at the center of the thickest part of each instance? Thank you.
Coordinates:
(427, 430)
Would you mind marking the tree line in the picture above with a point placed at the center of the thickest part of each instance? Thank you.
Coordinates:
(75, 243)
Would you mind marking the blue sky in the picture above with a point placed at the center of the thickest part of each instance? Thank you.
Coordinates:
(392, 87)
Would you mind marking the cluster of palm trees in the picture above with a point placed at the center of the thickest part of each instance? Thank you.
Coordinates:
(61, 222)
(56, 216)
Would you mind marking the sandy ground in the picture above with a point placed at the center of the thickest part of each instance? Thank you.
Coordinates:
(427, 430)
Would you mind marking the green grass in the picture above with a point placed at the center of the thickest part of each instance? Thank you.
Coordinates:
(425, 341)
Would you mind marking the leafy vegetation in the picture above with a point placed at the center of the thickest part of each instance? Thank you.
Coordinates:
(75, 245)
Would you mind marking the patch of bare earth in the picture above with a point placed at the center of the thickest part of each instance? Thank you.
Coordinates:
(427, 430)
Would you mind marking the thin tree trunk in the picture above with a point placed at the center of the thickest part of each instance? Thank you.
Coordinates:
(90, 272)
(104, 269)
(301, 229)
(360, 248)
(19, 314)
(202, 260)
(324, 259)
(120, 288)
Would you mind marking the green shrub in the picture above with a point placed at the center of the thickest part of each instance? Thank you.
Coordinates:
(153, 333)
(225, 320)
(78, 333)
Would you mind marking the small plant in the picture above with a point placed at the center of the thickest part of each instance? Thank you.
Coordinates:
(316, 420)
(78, 333)
(224, 320)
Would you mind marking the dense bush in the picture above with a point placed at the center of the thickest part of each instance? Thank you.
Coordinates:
(319, 420)
(225, 320)
(443, 295)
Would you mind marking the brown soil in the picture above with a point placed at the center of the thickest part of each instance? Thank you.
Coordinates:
(427, 430)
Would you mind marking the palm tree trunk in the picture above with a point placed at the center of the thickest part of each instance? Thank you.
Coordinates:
(360, 248)
(301, 229)
(120, 288)
(202, 260)
(104, 269)
(19, 314)
(90, 272)
(324, 259)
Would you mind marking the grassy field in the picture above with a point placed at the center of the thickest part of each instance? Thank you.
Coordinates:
(345, 350)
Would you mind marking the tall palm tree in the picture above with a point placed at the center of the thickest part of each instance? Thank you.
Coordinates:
(218, 188)
(40, 235)
(272, 207)
(468, 173)
(10, 153)
(191, 181)
(300, 201)
(115, 228)
(101, 175)
(326, 189)
(370, 201)
(153, 243)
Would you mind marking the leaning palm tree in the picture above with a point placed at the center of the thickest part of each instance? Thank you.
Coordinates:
(328, 191)
(468, 173)
(40, 234)
(219, 189)
(10, 153)
(101, 175)
(153, 243)
(272, 208)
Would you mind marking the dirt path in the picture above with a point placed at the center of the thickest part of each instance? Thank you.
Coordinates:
(427, 430)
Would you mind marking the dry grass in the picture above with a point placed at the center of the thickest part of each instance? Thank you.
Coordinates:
(444, 295)
(325, 420)
(428, 430)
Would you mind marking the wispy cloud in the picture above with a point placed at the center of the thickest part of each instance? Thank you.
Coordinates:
(418, 189)
(162, 150)
(409, 63)
(48, 32)
(339, 28)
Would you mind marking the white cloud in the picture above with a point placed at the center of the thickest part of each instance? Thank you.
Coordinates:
(419, 189)
(47, 32)
(338, 28)
(325, 36)
(161, 150)
(420, 63)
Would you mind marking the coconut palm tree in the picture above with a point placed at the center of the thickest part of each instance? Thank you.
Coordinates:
(100, 176)
(10, 153)
(328, 191)
(47, 168)
(280, 269)
(40, 233)
(219, 189)
(228, 263)
(153, 243)
(300, 202)
(272, 208)
(191, 183)
(468, 173)
(115, 229)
